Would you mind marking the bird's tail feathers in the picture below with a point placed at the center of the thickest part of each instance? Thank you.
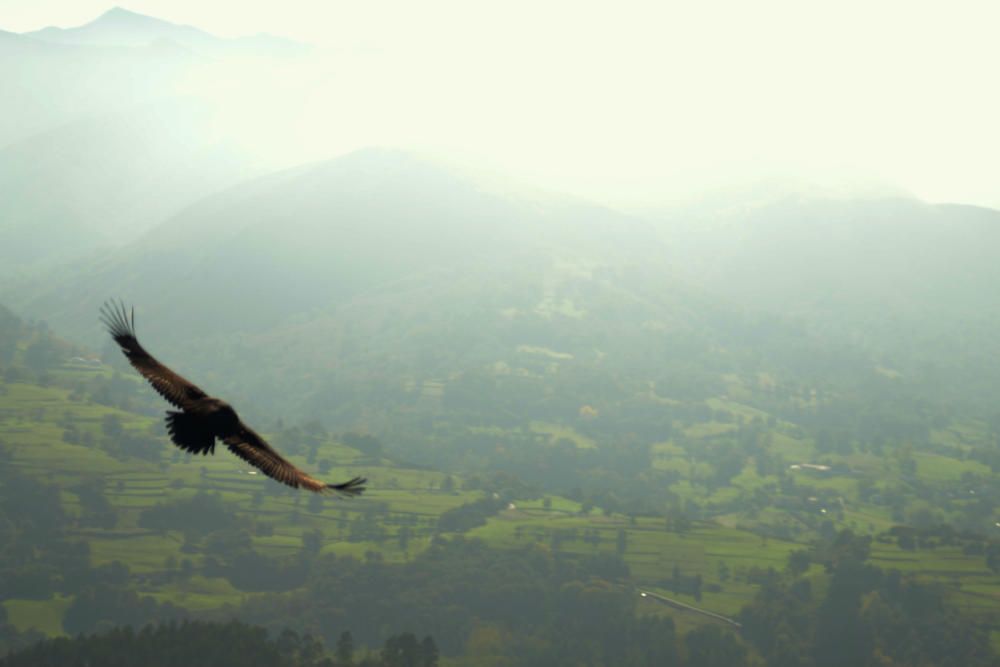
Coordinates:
(189, 433)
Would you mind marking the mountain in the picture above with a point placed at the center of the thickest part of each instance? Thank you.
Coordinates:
(103, 180)
(911, 282)
(361, 275)
(108, 129)
(46, 84)
(865, 250)
(120, 27)
(316, 235)
(117, 62)
(377, 257)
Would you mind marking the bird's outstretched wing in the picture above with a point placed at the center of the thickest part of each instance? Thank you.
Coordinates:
(253, 449)
(168, 384)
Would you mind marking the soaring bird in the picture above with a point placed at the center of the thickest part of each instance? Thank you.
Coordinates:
(202, 418)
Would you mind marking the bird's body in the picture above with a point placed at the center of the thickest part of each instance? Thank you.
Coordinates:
(203, 419)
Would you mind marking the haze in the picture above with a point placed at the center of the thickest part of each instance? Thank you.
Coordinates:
(663, 334)
(633, 103)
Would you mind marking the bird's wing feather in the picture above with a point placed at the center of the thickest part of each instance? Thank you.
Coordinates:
(253, 449)
(168, 384)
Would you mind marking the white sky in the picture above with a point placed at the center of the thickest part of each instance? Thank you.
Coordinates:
(631, 100)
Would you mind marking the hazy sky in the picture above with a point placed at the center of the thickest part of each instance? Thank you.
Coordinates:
(631, 99)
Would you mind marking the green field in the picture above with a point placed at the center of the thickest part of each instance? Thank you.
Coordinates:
(722, 551)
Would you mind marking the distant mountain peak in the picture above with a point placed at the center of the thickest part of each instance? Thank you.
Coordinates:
(123, 27)
(120, 12)
(122, 16)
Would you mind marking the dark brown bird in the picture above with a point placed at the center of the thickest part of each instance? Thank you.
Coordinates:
(203, 419)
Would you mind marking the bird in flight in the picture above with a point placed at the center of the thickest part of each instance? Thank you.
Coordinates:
(202, 418)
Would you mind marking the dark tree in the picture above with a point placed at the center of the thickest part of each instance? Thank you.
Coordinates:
(993, 556)
(429, 652)
(402, 651)
(710, 646)
(798, 561)
(345, 649)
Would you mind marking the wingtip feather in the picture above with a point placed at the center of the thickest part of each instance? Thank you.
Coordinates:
(351, 488)
(118, 319)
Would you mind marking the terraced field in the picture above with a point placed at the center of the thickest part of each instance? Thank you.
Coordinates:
(33, 422)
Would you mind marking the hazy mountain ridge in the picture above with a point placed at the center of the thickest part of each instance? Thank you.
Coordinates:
(121, 27)
(362, 275)
(331, 268)
(849, 241)
(103, 180)
(46, 85)
(909, 282)
(105, 133)
(345, 225)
